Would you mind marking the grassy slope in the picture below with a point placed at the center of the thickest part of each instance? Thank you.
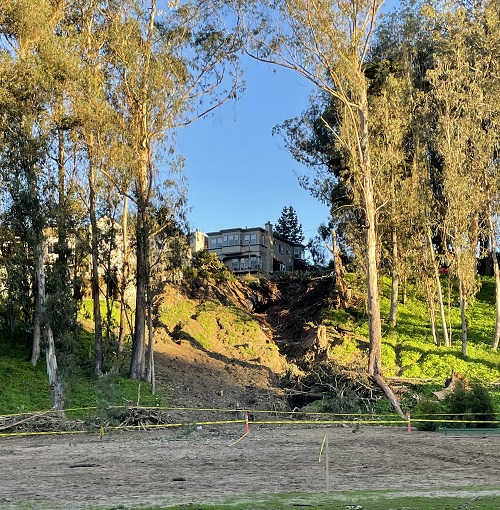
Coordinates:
(408, 351)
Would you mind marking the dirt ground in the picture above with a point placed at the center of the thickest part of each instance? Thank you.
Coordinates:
(170, 466)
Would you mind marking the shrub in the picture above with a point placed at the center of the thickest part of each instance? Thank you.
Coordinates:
(207, 265)
(424, 410)
(474, 404)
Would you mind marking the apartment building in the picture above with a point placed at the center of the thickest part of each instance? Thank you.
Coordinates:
(256, 250)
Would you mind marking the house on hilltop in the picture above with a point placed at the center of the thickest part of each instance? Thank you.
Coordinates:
(256, 250)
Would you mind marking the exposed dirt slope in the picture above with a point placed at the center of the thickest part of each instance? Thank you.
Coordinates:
(229, 344)
(213, 351)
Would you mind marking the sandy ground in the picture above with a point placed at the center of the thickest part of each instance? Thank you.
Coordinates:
(180, 466)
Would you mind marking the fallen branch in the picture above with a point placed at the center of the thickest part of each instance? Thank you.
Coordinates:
(379, 380)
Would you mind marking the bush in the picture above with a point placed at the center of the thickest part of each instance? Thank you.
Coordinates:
(474, 404)
(424, 410)
(207, 265)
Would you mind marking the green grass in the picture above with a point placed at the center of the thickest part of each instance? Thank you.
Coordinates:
(86, 310)
(209, 321)
(24, 388)
(349, 500)
(408, 350)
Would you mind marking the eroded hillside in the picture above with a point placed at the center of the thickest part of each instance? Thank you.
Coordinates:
(224, 344)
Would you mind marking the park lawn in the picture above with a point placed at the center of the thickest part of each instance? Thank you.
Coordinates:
(446, 499)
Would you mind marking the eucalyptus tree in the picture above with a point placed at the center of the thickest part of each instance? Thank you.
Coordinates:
(162, 63)
(459, 102)
(102, 151)
(327, 42)
(391, 105)
(405, 38)
(485, 45)
(33, 70)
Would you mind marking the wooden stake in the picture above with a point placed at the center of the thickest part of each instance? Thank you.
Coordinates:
(327, 467)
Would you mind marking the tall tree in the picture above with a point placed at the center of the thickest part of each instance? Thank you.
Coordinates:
(288, 225)
(327, 42)
(155, 88)
(33, 71)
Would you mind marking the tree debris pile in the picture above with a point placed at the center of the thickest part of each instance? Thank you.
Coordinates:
(144, 417)
(300, 304)
(339, 391)
(39, 422)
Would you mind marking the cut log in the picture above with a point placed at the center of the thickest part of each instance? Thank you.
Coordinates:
(452, 382)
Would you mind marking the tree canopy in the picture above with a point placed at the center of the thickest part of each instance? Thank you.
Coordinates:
(288, 225)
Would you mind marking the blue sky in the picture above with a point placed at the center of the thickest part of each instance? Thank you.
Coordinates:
(239, 175)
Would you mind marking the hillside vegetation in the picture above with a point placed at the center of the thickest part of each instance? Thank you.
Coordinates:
(217, 347)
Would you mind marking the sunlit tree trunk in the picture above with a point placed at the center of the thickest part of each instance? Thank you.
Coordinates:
(432, 313)
(393, 313)
(496, 272)
(124, 277)
(55, 382)
(463, 306)
(439, 290)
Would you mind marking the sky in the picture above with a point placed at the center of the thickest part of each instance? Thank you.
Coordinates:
(239, 175)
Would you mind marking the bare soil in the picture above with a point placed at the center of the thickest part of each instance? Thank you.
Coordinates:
(169, 466)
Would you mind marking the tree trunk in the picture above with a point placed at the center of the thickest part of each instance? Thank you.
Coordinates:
(446, 337)
(496, 272)
(55, 382)
(393, 314)
(56, 393)
(374, 321)
(98, 351)
(338, 271)
(137, 364)
(62, 241)
(388, 392)
(463, 306)
(432, 313)
(124, 279)
(143, 187)
(37, 330)
(150, 374)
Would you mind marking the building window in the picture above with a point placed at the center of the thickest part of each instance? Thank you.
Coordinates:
(255, 262)
(287, 250)
(298, 253)
(250, 239)
(281, 249)
(235, 264)
(233, 239)
(215, 242)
